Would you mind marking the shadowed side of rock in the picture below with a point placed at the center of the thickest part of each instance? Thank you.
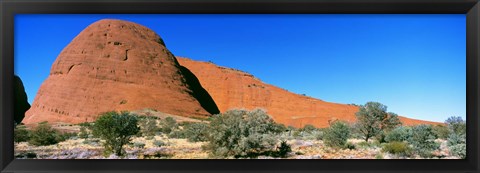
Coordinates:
(199, 92)
(21, 104)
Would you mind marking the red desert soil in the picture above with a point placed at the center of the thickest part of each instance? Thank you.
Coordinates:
(116, 65)
(232, 89)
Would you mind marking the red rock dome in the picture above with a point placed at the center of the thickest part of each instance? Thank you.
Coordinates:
(116, 65)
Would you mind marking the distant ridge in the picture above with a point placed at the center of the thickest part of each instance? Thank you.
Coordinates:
(231, 89)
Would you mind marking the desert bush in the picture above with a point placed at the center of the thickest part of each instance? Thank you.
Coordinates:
(284, 149)
(350, 146)
(336, 135)
(441, 131)
(373, 119)
(159, 143)
(397, 148)
(459, 150)
(178, 134)
(66, 136)
(196, 132)
(83, 133)
(26, 155)
(139, 145)
(399, 134)
(456, 125)
(308, 128)
(116, 129)
(423, 140)
(21, 134)
(148, 126)
(456, 140)
(44, 134)
(316, 134)
(86, 124)
(168, 125)
(92, 142)
(240, 133)
(364, 144)
(281, 151)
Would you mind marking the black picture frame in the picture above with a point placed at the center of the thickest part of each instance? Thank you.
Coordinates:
(9, 8)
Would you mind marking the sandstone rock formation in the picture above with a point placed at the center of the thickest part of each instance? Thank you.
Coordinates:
(21, 104)
(234, 89)
(117, 65)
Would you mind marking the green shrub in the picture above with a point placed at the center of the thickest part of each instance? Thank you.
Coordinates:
(456, 125)
(196, 132)
(308, 128)
(148, 126)
(178, 134)
(459, 150)
(139, 145)
(83, 133)
(399, 134)
(159, 143)
(397, 148)
(21, 134)
(364, 144)
(441, 131)
(281, 151)
(423, 140)
(116, 129)
(27, 155)
(336, 135)
(86, 124)
(241, 133)
(457, 145)
(284, 149)
(65, 136)
(456, 140)
(350, 146)
(43, 135)
(168, 125)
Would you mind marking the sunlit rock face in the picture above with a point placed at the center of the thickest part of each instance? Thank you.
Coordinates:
(116, 65)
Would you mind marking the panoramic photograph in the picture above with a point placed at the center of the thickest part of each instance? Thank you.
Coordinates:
(240, 86)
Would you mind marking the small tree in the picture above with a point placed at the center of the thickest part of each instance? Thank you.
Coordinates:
(423, 140)
(337, 135)
(116, 129)
(373, 119)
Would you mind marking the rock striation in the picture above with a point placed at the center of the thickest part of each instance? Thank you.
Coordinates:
(234, 89)
(117, 65)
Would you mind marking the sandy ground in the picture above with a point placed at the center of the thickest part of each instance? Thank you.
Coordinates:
(182, 149)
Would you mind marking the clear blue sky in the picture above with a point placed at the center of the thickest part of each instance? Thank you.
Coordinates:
(414, 64)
